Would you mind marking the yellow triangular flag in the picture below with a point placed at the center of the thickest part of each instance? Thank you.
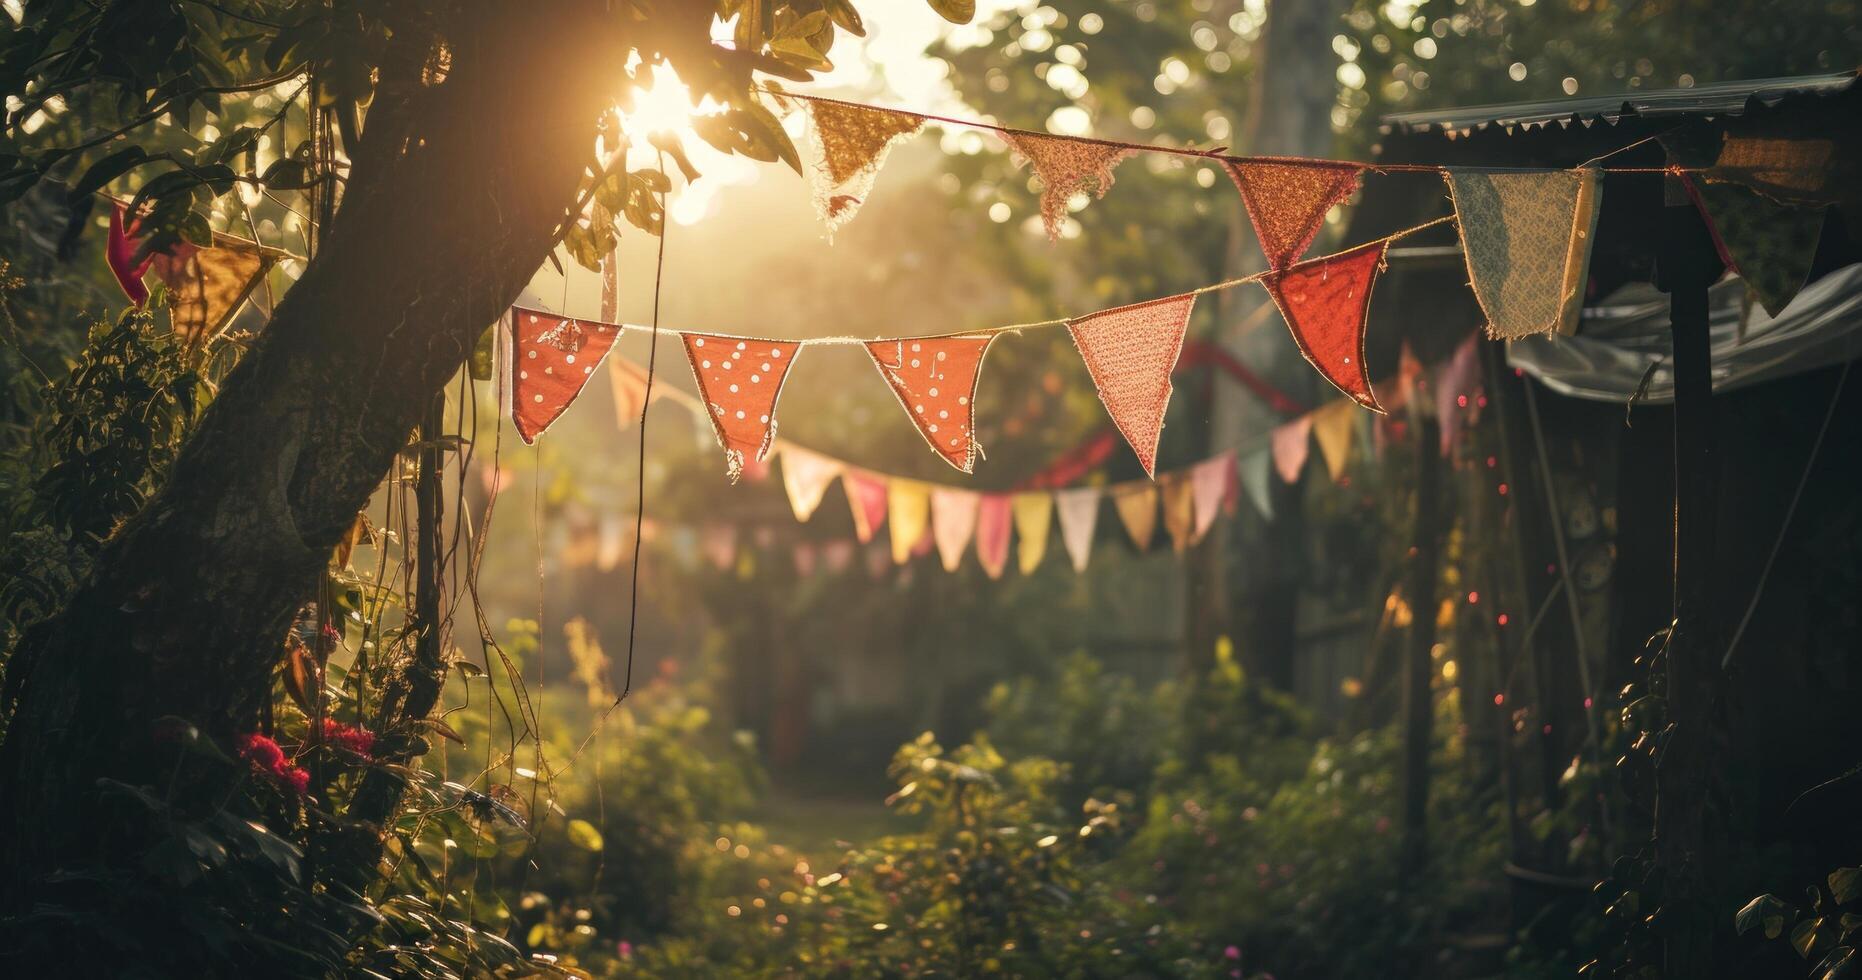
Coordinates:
(1033, 513)
(908, 514)
(1332, 428)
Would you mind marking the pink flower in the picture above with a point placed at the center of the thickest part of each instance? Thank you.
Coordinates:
(260, 750)
(1233, 952)
(625, 949)
(354, 738)
(296, 779)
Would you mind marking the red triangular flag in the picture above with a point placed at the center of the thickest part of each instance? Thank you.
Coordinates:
(552, 358)
(1325, 302)
(739, 380)
(1287, 201)
(935, 379)
(1130, 352)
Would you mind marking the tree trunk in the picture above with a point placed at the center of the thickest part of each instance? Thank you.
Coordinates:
(451, 204)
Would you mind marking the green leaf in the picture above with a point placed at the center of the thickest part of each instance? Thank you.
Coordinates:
(196, 230)
(1767, 911)
(955, 11)
(1845, 884)
(108, 169)
(479, 366)
(1809, 936)
(844, 15)
(1836, 965)
(584, 835)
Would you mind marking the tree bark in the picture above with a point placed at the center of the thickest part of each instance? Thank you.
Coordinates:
(451, 204)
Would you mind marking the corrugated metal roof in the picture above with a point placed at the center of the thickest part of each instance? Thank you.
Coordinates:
(1719, 98)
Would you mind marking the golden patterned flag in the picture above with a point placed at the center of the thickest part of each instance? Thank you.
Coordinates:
(1287, 201)
(739, 380)
(908, 516)
(805, 478)
(1066, 167)
(1332, 428)
(1033, 513)
(1179, 498)
(935, 381)
(206, 286)
(1326, 304)
(1136, 504)
(1527, 237)
(953, 521)
(851, 143)
(1130, 351)
(1078, 511)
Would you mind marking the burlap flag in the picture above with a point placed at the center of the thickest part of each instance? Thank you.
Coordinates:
(1527, 237)
(739, 380)
(992, 533)
(1078, 511)
(935, 381)
(1456, 395)
(1034, 511)
(908, 516)
(1291, 446)
(628, 382)
(206, 286)
(1210, 480)
(805, 477)
(1130, 352)
(1136, 504)
(1287, 201)
(851, 143)
(1770, 245)
(866, 498)
(953, 521)
(1179, 499)
(1325, 303)
(1066, 167)
(1332, 427)
(1254, 469)
(549, 363)
(120, 254)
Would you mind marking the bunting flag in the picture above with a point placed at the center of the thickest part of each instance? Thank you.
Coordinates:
(805, 477)
(935, 380)
(1770, 245)
(719, 543)
(1179, 499)
(1527, 237)
(1078, 511)
(1287, 201)
(992, 533)
(551, 361)
(119, 252)
(1066, 167)
(908, 516)
(739, 381)
(953, 521)
(1325, 303)
(851, 143)
(837, 555)
(628, 382)
(206, 286)
(1209, 482)
(1033, 513)
(866, 497)
(1254, 469)
(1131, 351)
(1332, 428)
(1137, 510)
(1454, 392)
(1291, 446)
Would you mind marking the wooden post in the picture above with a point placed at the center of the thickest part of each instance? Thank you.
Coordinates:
(1418, 670)
(1687, 821)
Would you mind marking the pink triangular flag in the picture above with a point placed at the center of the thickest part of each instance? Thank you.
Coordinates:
(1066, 167)
(1291, 446)
(992, 533)
(866, 497)
(1287, 201)
(1079, 514)
(1325, 303)
(953, 521)
(935, 381)
(552, 358)
(1455, 397)
(1209, 482)
(1130, 352)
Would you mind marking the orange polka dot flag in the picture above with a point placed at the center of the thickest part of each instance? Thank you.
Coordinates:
(935, 380)
(1325, 303)
(739, 380)
(551, 359)
(1130, 352)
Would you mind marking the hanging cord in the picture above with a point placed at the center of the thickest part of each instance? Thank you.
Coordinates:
(640, 477)
(1803, 481)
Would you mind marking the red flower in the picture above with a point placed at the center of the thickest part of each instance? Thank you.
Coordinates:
(264, 755)
(354, 738)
